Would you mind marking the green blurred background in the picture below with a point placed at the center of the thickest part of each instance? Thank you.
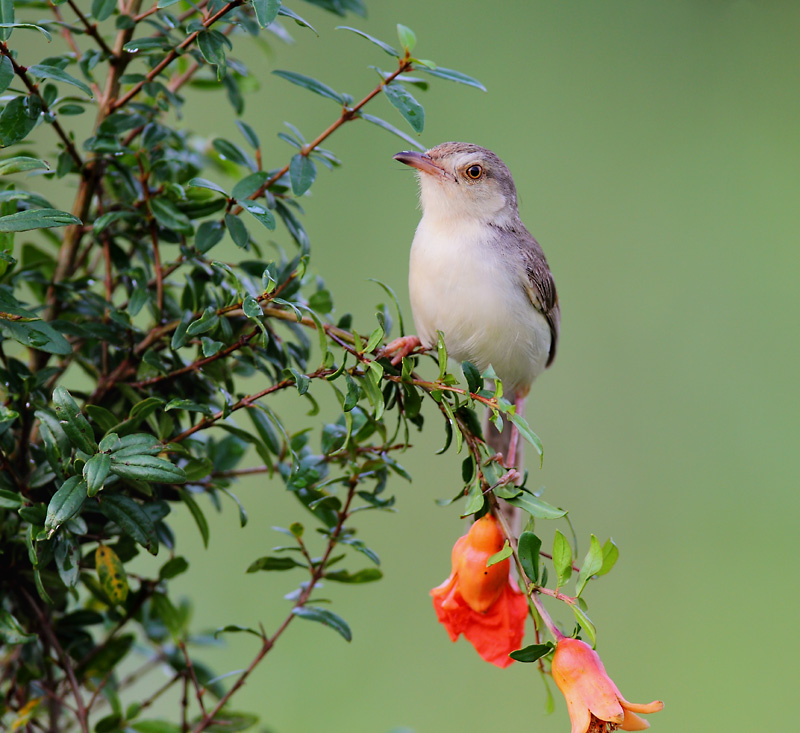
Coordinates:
(655, 149)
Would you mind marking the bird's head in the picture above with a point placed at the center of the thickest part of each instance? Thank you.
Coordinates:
(464, 181)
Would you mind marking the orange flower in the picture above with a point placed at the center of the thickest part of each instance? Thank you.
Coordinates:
(480, 602)
(593, 700)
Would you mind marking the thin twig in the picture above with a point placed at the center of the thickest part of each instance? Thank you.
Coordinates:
(348, 113)
(317, 572)
(91, 29)
(172, 55)
(198, 689)
(65, 663)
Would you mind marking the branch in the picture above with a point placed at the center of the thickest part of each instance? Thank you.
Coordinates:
(91, 29)
(316, 574)
(64, 662)
(172, 55)
(348, 113)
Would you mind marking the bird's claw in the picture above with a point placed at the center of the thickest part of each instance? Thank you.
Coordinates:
(400, 347)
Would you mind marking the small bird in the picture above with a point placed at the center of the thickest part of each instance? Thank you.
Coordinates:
(477, 274)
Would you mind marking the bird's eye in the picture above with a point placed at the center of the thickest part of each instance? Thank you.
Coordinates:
(474, 172)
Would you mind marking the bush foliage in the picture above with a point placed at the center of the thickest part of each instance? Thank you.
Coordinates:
(138, 370)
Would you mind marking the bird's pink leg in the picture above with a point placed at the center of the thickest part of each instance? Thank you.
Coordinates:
(401, 347)
(511, 458)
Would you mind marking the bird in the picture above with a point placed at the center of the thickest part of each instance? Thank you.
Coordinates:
(478, 275)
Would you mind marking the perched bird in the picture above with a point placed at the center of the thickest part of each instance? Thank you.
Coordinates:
(477, 274)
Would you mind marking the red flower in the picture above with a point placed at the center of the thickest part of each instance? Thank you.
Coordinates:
(593, 700)
(481, 602)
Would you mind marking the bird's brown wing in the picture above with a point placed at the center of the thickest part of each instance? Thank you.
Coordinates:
(541, 289)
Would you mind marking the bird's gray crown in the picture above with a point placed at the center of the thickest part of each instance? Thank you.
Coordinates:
(460, 154)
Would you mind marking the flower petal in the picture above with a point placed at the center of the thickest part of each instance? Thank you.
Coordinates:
(636, 707)
(634, 722)
(499, 631)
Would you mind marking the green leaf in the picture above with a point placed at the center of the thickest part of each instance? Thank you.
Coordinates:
(475, 501)
(380, 44)
(325, 617)
(528, 549)
(248, 132)
(18, 118)
(43, 71)
(75, 425)
(21, 163)
(37, 334)
(163, 609)
(591, 564)
(406, 105)
(473, 377)
(302, 172)
(212, 46)
(173, 568)
(536, 507)
(452, 75)
(24, 221)
(95, 471)
(296, 18)
(231, 152)
(273, 563)
(585, 622)
(111, 574)
(11, 632)
(6, 67)
(144, 467)
(610, 556)
(65, 504)
(208, 234)
(132, 520)
(313, 85)
(505, 553)
(531, 653)
(237, 230)
(103, 9)
(562, 558)
(235, 628)
(367, 575)
(169, 216)
(197, 513)
(32, 26)
(391, 128)
(527, 433)
(10, 499)
(6, 19)
(257, 210)
(407, 37)
(210, 185)
(68, 560)
(266, 12)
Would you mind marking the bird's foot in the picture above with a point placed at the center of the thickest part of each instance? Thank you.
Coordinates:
(512, 476)
(400, 347)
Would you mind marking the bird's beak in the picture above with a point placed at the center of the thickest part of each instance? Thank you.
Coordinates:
(422, 162)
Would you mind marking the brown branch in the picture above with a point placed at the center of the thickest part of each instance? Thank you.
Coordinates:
(246, 401)
(91, 29)
(64, 661)
(200, 363)
(198, 689)
(172, 55)
(317, 571)
(348, 113)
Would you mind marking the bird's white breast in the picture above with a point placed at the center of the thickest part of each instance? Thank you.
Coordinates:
(462, 284)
